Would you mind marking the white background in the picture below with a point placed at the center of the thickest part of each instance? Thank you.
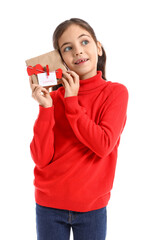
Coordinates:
(129, 32)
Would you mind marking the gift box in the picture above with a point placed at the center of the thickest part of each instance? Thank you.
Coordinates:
(46, 69)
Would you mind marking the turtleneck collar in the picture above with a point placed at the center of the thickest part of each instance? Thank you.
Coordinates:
(91, 83)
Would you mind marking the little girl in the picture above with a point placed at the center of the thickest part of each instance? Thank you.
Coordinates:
(76, 137)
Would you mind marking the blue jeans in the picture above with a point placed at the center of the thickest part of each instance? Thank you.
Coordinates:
(55, 224)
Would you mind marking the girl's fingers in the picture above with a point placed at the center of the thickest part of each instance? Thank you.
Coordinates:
(37, 87)
(40, 94)
(68, 77)
(74, 75)
(65, 82)
(71, 83)
(44, 90)
(41, 89)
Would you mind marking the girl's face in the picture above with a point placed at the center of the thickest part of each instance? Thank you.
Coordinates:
(79, 51)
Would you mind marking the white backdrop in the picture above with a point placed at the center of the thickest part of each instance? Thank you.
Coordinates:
(129, 32)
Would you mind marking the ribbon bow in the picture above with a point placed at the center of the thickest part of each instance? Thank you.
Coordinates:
(35, 70)
(39, 69)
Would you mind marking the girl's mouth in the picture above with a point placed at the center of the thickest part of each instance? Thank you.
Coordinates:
(81, 61)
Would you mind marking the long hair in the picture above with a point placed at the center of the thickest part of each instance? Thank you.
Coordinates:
(101, 64)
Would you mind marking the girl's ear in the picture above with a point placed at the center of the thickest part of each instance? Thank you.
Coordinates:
(99, 48)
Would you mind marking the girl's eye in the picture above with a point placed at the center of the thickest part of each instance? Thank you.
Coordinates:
(85, 42)
(67, 49)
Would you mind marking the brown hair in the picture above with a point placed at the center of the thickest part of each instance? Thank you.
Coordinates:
(64, 25)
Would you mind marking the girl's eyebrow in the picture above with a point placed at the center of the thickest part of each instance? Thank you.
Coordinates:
(77, 38)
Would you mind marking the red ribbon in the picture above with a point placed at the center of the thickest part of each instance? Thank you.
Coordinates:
(59, 73)
(35, 70)
(47, 69)
(39, 69)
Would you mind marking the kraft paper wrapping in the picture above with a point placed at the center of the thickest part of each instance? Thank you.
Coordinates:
(52, 59)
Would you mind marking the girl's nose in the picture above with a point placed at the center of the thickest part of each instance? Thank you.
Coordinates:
(78, 53)
(78, 50)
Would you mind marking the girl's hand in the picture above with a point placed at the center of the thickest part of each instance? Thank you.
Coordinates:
(71, 83)
(41, 95)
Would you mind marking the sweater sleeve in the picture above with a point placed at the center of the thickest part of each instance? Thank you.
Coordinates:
(102, 137)
(42, 144)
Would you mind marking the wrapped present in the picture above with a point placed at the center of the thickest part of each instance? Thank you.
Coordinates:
(46, 69)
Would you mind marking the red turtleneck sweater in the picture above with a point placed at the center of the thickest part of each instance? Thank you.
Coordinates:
(75, 143)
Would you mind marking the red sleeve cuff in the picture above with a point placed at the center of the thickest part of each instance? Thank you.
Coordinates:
(45, 114)
(71, 104)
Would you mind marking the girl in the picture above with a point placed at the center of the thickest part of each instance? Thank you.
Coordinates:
(76, 137)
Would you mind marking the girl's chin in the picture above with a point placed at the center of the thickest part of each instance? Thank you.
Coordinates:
(81, 71)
